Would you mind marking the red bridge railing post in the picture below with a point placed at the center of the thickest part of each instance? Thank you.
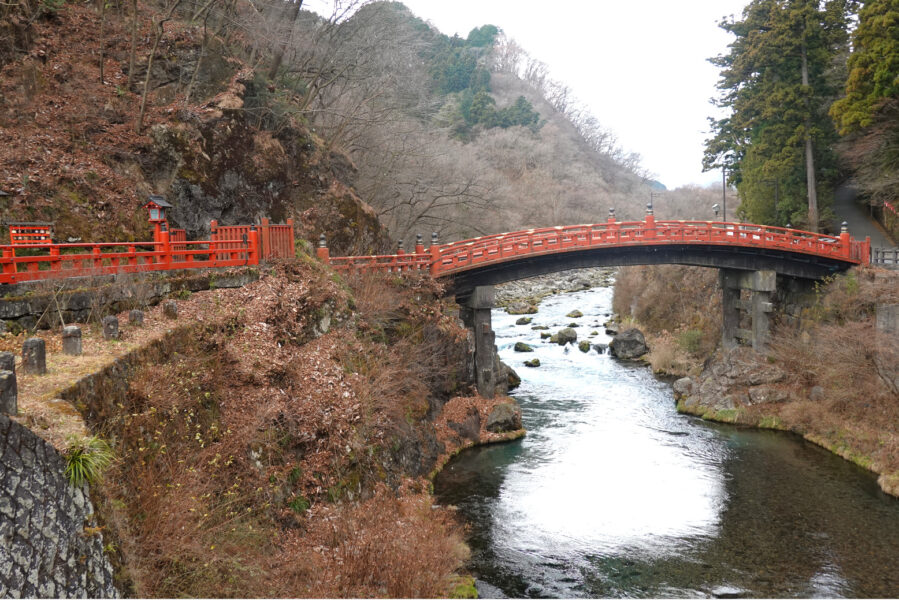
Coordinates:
(434, 250)
(845, 240)
(649, 223)
(166, 248)
(322, 251)
(254, 250)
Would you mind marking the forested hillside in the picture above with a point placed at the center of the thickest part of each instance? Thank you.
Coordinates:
(234, 111)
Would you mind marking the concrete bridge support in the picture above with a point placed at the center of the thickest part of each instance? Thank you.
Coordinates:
(761, 286)
(475, 313)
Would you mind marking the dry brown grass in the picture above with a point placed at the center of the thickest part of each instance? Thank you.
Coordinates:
(682, 301)
(382, 547)
(244, 459)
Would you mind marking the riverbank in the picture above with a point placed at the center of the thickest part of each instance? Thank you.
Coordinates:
(830, 377)
(288, 426)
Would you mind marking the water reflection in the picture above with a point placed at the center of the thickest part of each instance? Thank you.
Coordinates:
(612, 493)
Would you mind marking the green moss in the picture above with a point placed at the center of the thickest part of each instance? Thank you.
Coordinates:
(729, 415)
(464, 587)
(771, 422)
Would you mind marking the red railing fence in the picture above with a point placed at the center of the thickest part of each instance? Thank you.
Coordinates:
(229, 246)
(27, 233)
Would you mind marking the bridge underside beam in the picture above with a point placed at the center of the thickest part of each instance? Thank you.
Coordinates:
(792, 264)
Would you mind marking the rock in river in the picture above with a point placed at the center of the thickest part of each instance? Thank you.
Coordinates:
(565, 336)
(630, 343)
(522, 347)
(521, 308)
(504, 417)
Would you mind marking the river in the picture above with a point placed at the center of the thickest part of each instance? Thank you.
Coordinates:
(612, 493)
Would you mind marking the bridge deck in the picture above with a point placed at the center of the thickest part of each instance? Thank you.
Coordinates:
(731, 245)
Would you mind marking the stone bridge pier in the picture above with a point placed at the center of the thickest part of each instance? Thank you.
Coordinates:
(751, 299)
(475, 310)
(760, 286)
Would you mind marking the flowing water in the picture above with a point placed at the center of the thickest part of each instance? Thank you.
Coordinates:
(614, 494)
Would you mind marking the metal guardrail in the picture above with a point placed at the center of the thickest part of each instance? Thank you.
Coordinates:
(885, 257)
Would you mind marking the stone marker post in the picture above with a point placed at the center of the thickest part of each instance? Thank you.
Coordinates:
(170, 309)
(71, 340)
(34, 356)
(9, 394)
(111, 327)
(136, 317)
(7, 361)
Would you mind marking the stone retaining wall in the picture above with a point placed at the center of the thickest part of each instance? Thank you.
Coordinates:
(40, 304)
(50, 545)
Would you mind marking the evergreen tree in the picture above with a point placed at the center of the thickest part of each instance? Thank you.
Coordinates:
(869, 113)
(873, 66)
(777, 82)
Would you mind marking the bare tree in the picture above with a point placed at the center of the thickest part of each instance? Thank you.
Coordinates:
(159, 31)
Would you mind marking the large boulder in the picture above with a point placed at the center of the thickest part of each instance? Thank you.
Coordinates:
(504, 417)
(522, 347)
(508, 374)
(470, 426)
(565, 336)
(628, 344)
(683, 388)
(521, 308)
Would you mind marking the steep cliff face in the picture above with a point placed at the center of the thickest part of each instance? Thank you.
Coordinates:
(72, 155)
(216, 162)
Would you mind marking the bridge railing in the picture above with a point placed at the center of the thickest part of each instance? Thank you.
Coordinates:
(885, 257)
(493, 248)
(387, 263)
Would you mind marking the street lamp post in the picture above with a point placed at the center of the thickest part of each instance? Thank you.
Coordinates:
(723, 191)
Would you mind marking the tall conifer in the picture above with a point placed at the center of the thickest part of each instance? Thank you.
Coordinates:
(777, 80)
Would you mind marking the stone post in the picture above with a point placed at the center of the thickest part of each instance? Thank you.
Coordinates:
(71, 340)
(136, 317)
(111, 327)
(34, 356)
(7, 361)
(170, 309)
(9, 394)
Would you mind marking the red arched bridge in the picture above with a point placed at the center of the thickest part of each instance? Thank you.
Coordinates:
(505, 257)
(750, 259)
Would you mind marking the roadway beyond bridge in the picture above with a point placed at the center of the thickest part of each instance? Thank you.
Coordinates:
(761, 268)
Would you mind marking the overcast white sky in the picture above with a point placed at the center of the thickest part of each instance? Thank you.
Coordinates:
(639, 65)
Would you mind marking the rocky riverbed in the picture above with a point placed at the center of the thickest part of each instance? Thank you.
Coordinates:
(535, 289)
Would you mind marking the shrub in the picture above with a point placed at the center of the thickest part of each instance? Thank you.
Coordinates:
(690, 340)
(86, 459)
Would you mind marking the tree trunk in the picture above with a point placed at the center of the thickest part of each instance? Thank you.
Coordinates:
(133, 50)
(279, 55)
(102, 39)
(160, 30)
(809, 156)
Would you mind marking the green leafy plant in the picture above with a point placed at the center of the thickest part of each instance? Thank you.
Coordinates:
(86, 459)
(690, 340)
